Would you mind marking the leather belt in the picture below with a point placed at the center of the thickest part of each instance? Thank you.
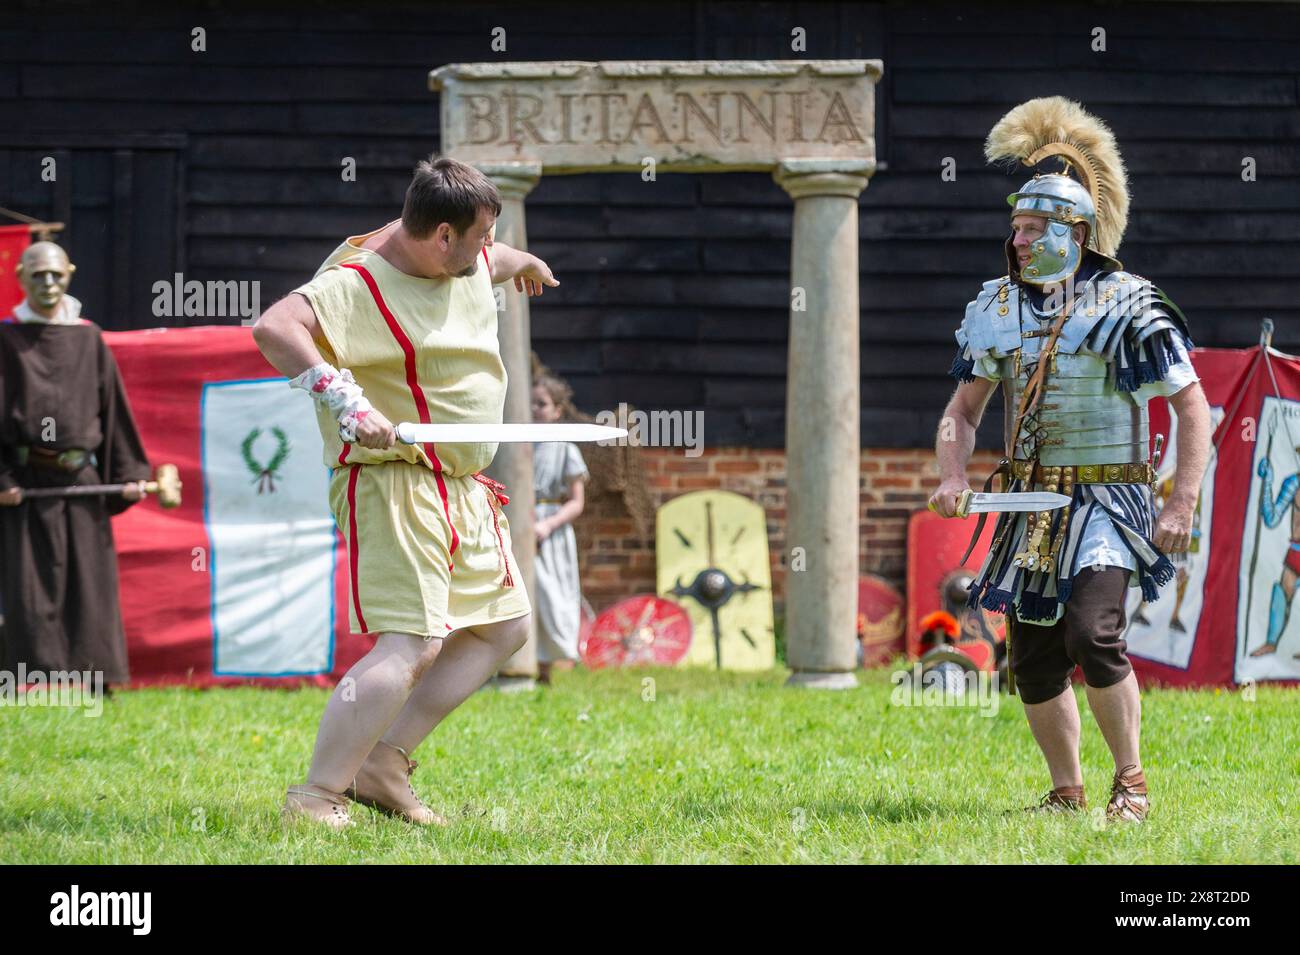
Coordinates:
(1139, 473)
(69, 459)
(549, 500)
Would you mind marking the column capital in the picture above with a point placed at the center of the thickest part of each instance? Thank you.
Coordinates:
(823, 177)
(514, 180)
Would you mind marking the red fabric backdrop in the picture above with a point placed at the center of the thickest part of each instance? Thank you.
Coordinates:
(1221, 615)
(13, 239)
(1233, 619)
(166, 605)
(1204, 635)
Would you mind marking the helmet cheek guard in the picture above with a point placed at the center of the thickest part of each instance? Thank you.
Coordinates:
(1053, 257)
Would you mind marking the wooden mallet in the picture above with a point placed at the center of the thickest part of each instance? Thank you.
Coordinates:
(166, 484)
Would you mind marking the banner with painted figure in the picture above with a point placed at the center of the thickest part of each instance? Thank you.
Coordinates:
(246, 580)
(1268, 639)
(1227, 616)
(1164, 630)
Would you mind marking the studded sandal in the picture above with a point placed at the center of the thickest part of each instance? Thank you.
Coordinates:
(1061, 799)
(1128, 796)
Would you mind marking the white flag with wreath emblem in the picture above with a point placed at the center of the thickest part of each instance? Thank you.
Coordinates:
(272, 535)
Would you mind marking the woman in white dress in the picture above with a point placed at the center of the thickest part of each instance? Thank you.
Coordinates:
(558, 475)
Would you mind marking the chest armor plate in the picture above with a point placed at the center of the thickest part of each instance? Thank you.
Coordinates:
(1081, 418)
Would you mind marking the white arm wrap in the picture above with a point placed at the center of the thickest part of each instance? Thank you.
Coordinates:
(339, 392)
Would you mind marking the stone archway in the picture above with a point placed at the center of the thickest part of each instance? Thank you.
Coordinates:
(811, 123)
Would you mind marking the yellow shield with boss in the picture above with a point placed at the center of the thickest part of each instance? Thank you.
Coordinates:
(712, 558)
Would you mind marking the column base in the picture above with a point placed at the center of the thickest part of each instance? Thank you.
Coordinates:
(513, 684)
(818, 680)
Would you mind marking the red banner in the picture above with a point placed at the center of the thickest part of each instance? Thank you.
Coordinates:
(246, 580)
(1226, 619)
(13, 240)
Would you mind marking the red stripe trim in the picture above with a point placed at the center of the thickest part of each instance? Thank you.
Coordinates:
(417, 393)
(488, 261)
(455, 538)
(354, 545)
(343, 456)
(408, 351)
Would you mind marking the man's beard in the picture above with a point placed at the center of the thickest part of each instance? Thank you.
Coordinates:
(466, 273)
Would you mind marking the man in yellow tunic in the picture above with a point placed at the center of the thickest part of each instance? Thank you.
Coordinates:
(400, 324)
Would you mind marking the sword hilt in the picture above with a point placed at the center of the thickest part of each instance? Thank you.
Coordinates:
(1155, 461)
(963, 503)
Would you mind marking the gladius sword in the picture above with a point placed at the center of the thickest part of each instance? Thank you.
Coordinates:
(977, 502)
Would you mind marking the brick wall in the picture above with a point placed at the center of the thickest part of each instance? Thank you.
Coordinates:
(615, 562)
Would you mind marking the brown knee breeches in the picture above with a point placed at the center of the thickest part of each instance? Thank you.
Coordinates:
(1089, 635)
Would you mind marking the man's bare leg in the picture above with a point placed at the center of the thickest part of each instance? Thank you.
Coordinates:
(1118, 711)
(364, 705)
(468, 660)
(1055, 725)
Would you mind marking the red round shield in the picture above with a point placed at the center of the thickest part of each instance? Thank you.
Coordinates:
(644, 630)
(586, 617)
(880, 620)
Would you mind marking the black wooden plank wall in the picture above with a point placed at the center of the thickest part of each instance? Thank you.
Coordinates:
(675, 292)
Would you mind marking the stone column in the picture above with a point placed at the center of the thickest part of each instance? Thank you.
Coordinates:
(513, 465)
(822, 433)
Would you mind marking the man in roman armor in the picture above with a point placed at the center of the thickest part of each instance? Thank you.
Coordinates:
(1079, 346)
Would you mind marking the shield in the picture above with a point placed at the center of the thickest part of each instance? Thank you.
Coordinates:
(711, 555)
(644, 630)
(586, 617)
(880, 620)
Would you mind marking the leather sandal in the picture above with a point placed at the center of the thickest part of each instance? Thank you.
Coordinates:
(383, 783)
(1061, 799)
(318, 804)
(1128, 796)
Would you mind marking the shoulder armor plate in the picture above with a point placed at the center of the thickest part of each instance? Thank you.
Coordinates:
(992, 322)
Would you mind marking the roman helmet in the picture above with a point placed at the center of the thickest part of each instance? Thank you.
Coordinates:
(1091, 186)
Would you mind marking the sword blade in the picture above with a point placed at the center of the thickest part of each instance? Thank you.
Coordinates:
(1023, 501)
(409, 433)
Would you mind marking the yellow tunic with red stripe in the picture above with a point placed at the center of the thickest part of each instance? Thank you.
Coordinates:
(428, 543)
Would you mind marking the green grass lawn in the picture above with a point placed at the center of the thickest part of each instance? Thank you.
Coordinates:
(715, 768)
